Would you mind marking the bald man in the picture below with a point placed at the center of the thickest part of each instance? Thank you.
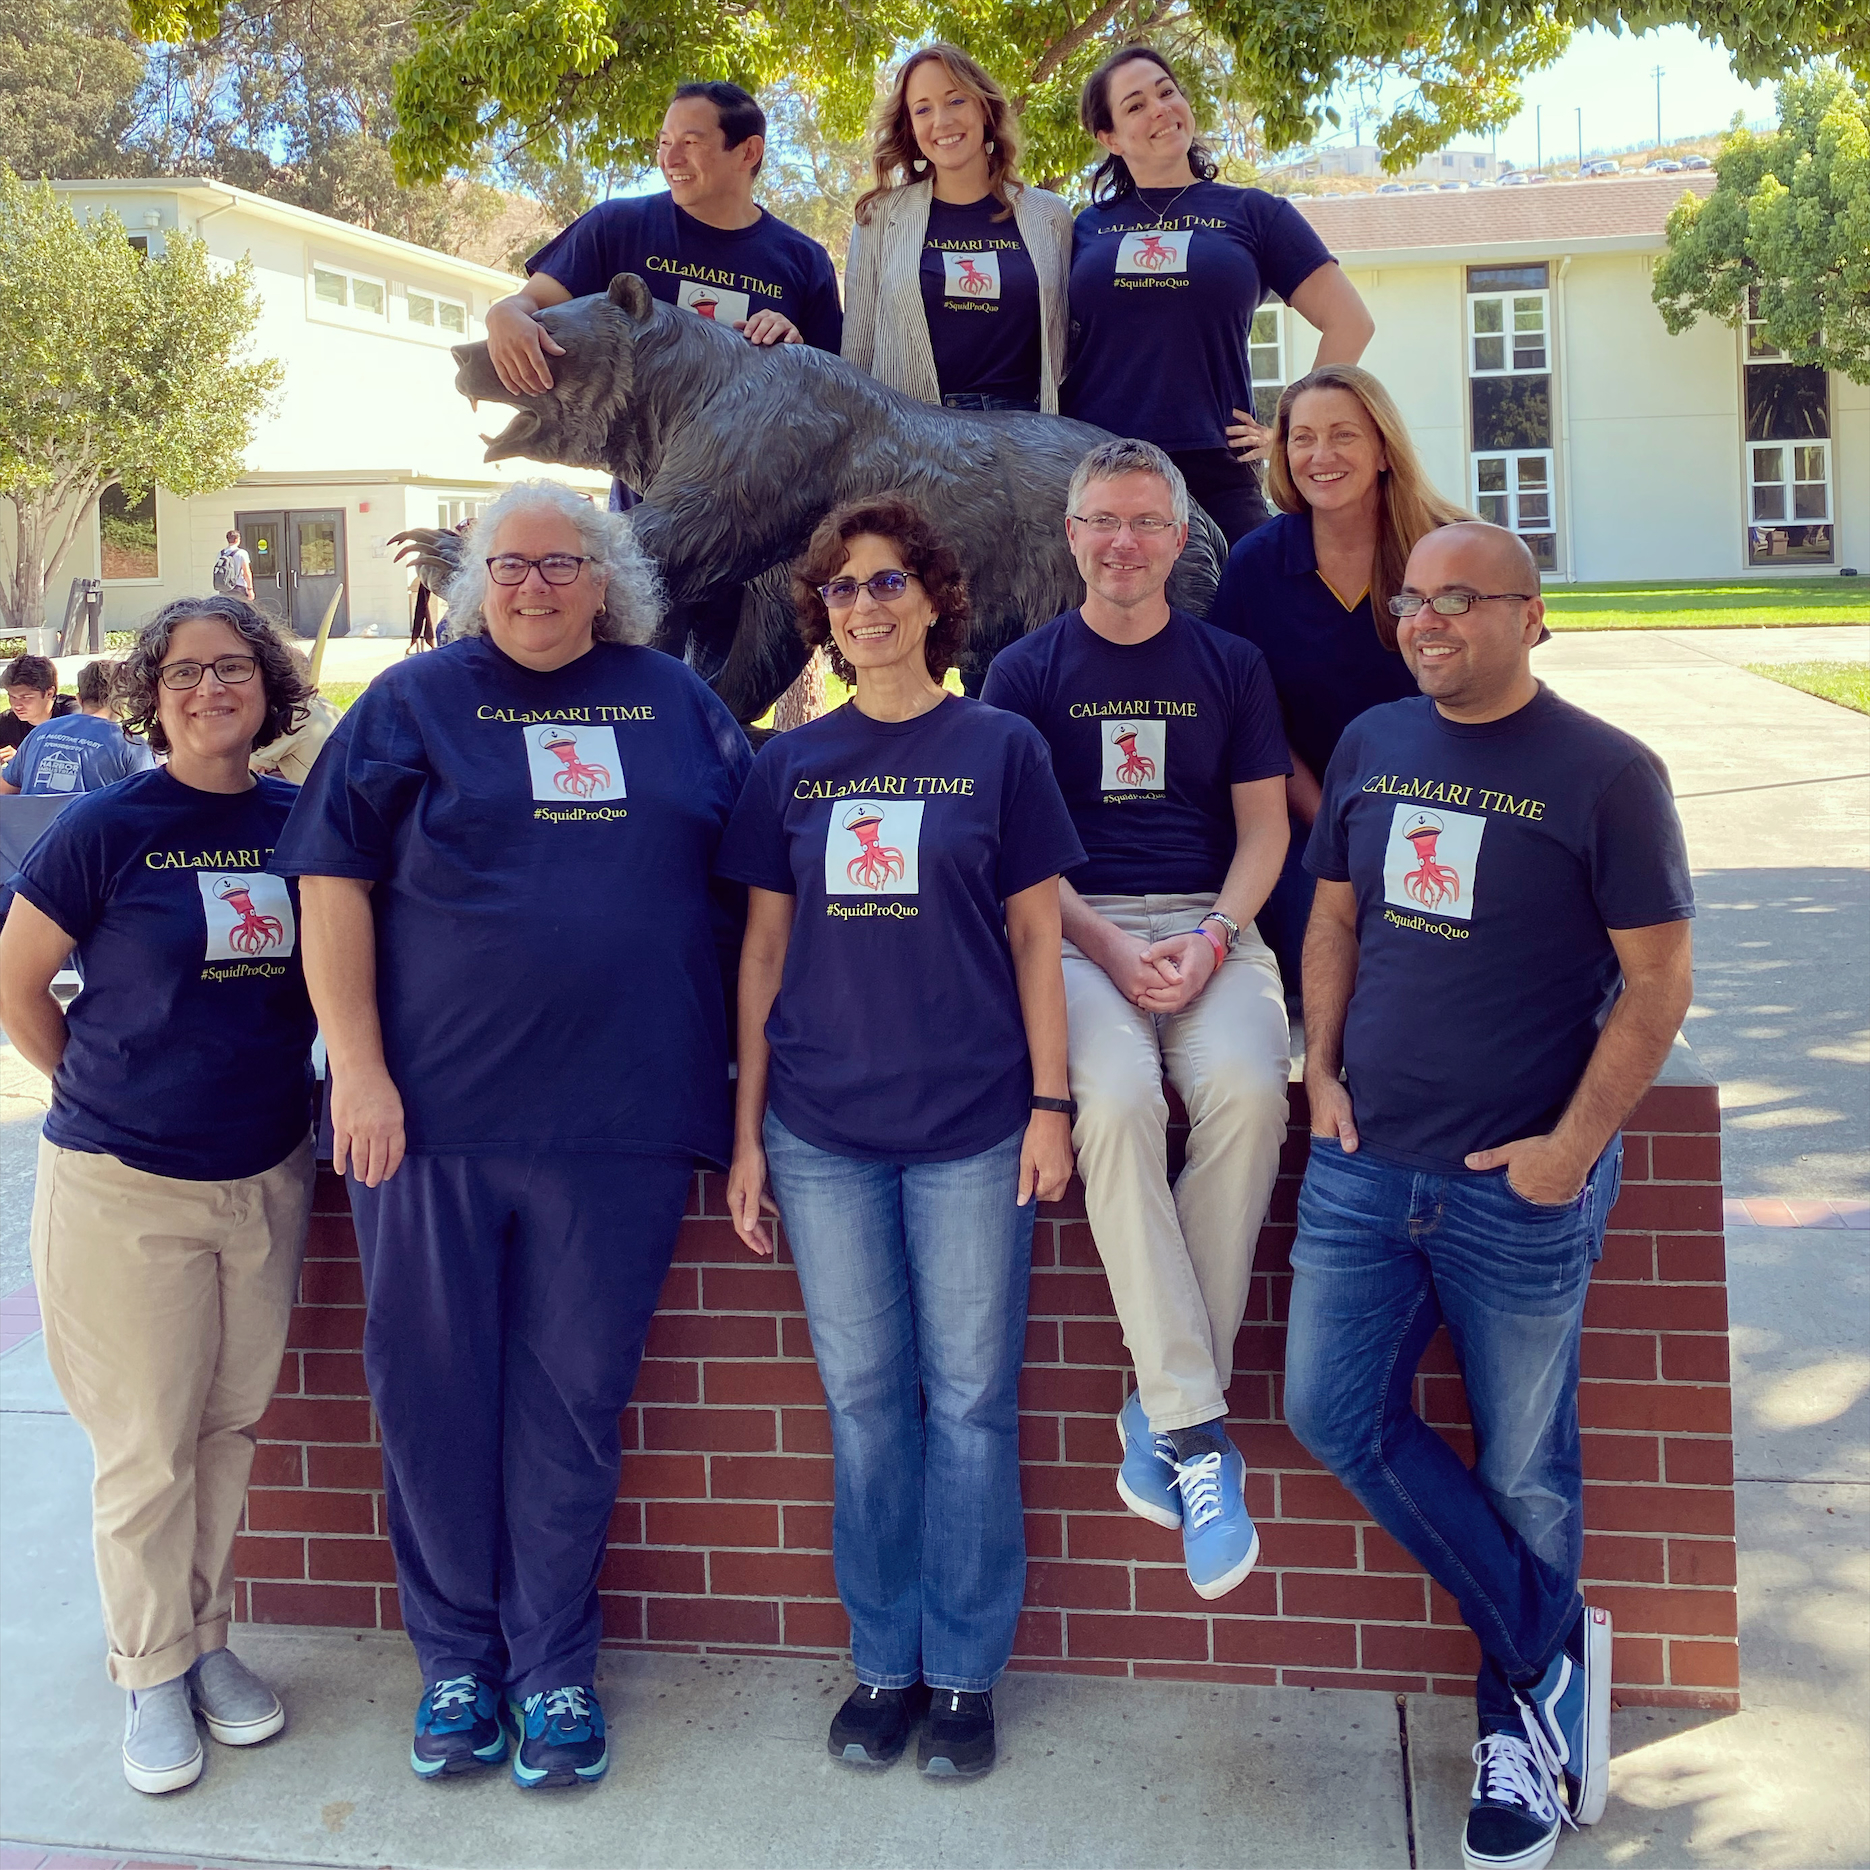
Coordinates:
(1496, 965)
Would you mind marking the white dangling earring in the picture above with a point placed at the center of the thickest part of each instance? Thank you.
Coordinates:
(920, 163)
(990, 146)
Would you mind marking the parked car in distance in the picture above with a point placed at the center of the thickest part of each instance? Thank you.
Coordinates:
(1604, 165)
(1663, 165)
(1696, 162)
(1392, 188)
(1450, 188)
(1423, 188)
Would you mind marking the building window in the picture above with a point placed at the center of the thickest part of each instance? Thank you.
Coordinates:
(1266, 357)
(448, 316)
(459, 512)
(1788, 453)
(356, 293)
(1760, 349)
(1507, 332)
(1509, 363)
(126, 536)
(1515, 491)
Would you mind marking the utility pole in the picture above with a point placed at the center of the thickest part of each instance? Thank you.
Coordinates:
(1580, 109)
(1538, 140)
(1659, 74)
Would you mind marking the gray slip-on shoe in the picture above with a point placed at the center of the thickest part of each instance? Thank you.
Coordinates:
(239, 1708)
(161, 1749)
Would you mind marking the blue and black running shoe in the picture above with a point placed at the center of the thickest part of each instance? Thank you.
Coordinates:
(458, 1728)
(561, 1738)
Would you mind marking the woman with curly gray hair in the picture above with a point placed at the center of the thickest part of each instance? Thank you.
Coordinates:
(175, 1172)
(505, 851)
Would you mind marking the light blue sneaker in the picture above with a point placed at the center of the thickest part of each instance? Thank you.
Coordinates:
(1567, 1716)
(1219, 1540)
(560, 1732)
(1146, 1480)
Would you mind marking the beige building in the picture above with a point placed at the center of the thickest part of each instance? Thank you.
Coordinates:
(368, 435)
(1516, 330)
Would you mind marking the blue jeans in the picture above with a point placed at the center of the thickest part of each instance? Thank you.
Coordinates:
(1384, 1255)
(965, 400)
(915, 1278)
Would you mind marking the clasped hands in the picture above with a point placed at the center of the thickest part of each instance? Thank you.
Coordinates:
(1163, 976)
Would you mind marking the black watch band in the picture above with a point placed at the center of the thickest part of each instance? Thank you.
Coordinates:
(1063, 1105)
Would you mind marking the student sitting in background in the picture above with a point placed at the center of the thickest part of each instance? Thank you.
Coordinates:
(31, 684)
(82, 752)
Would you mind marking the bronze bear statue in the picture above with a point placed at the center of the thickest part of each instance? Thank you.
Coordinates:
(740, 450)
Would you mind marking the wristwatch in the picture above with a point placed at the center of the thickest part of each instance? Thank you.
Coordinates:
(1227, 922)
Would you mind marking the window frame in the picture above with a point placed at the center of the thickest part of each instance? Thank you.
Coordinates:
(348, 314)
(439, 303)
(1514, 494)
(97, 520)
(1506, 333)
(1751, 524)
(1274, 310)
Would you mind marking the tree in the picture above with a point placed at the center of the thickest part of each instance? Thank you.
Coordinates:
(121, 371)
(70, 71)
(1786, 233)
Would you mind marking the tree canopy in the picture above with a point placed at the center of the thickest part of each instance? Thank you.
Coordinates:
(1786, 233)
(123, 369)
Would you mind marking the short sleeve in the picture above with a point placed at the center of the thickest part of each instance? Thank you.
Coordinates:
(1009, 686)
(1327, 853)
(1635, 853)
(1037, 838)
(366, 780)
(1290, 251)
(822, 323)
(1256, 748)
(753, 847)
(68, 873)
(15, 768)
(590, 252)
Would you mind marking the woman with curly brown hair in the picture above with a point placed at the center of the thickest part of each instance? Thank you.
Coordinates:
(175, 1172)
(954, 291)
(902, 1082)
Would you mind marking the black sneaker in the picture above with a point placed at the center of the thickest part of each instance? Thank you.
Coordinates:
(1514, 1820)
(874, 1724)
(957, 1742)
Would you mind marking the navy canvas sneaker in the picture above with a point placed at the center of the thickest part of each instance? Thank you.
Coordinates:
(457, 1728)
(1567, 1716)
(561, 1738)
(1146, 1480)
(1514, 1818)
(1220, 1542)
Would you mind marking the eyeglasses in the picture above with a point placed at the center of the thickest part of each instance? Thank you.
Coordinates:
(1108, 525)
(1452, 603)
(841, 593)
(554, 568)
(228, 669)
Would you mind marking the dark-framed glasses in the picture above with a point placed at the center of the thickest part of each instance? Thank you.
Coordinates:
(229, 669)
(1108, 525)
(1451, 603)
(841, 593)
(554, 568)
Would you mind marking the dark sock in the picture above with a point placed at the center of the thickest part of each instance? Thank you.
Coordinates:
(1190, 1444)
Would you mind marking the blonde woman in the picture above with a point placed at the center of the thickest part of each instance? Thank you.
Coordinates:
(1311, 589)
(955, 287)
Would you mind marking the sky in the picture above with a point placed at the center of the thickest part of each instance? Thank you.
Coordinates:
(1609, 75)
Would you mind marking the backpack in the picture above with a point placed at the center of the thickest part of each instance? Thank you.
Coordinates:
(226, 574)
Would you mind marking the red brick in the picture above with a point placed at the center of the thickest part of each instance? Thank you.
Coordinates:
(643, 1568)
(768, 1381)
(1045, 1535)
(1629, 1561)
(1668, 1612)
(1442, 1400)
(1636, 1659)
(1068, 1585)
(1167, 1639)
(795, 1338)
(710, 1620)
(1699, 1463)
(1067, 1488)
(769, 1477)
(1041, 1341)
(350, 1561)
(1281, 1642)
(359, 1469)
(710, 1523)
(1678, 1109)
(291, 1378)
(1089, 1341)
(1039, 1439)
(1629, 1355)
(710, 1239)
(1656, 1308)
(1686, 1258)
(1070, 1295)
(1442, 1608)
(1621, 1457)
(1685, 1158)
(330, 1237)
(334, 1327)
(667, 1380)
(278, 1464)
(1676, 1207)
(325, 1418)
(1694, 1359)
(1704, 1665)
(338, 1606)
(1701, 1561)
(807, 1528)
(284, 1509)
(1705, 1510)
(626, 1523)
(1363, 1679)
(1438, 1359)
(1068, 1207)
(256, 1557)
(1626, 1257)
(710, 1335)
(623, 1617)
(760, 1574)
(681, 1291)
(751, 1289)
(1238, 1674)
(1662, 1407)
(1052, 1387)
(1354, 1597)
(1315, 1496)
(1039, 1633)
(707, 1431)
(331, 1282)
(1118, 1536)
(1382, 1553)
(1273, 1445)
(1165, 1589)
(663, 1477)
(1250, 1396)
(1310, 1547)
(1093, 1440)
(1428, 1648)
(389, 1610)
(805, 1431)
(817, 1625)
(333, 1373)
(1636, 1158)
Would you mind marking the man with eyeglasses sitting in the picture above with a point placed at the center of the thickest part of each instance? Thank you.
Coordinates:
(1498, 958)
(1168, 746)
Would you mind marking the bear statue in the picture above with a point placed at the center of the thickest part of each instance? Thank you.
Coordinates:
(740, 450)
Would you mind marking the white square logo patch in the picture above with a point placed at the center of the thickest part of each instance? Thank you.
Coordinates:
(971, 275)
(871, 847)
(569, 760)
(716, 302)
(249, 916)
(1135, 755)
(1430, 860)
(1159, 250)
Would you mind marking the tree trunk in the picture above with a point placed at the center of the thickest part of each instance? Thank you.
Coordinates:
(805, 699)
(22, 588)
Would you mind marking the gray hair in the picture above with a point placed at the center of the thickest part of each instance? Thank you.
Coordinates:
(1113, 459)
(633, 599)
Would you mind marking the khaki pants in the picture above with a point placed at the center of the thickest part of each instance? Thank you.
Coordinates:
(1180, 1261)
(165, 1305)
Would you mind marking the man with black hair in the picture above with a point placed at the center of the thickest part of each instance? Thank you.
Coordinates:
(83, 752)
(31, 684)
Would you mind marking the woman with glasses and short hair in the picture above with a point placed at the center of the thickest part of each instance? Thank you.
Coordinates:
(175, 1171)
(903, 1085)
(505, 852)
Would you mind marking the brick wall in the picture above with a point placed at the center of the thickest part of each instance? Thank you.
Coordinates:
(722, 1530)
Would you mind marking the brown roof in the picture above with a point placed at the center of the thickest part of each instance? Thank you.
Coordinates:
(1549, 212)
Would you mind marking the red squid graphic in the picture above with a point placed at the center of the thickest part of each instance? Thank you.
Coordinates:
(875, 863)
(1153, 256)
(1135, 767)
(579, 778)
(972, 278)
(1433, 883)
(253, 933)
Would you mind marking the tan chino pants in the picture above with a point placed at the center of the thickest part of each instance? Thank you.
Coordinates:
(165, 1305)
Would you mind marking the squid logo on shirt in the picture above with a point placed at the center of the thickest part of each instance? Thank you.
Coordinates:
(572, 761)
(247, 915)
(872, 846)
(1429, 863)
(1135, 755)
(1154, 250)
(971, 275)
(715, 302)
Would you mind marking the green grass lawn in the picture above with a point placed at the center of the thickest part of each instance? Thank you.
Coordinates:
(1846, 683)
(341, 694)
(1707, 606)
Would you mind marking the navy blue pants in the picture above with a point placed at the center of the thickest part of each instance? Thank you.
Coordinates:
(509, 1297)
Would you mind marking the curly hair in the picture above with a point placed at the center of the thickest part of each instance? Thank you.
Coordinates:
(136, 681)
(633, 600)
(888, 516)
(894, 151)
(1112, 180)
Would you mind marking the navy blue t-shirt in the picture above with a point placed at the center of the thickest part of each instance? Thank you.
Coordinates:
(1328, 663)
(189, 1049)
(897, 1034)
(981, 293)
(1164, 285)
(540, 846)
(1146, 738)
(1488, 861)
(723, 273)
(76, 753)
